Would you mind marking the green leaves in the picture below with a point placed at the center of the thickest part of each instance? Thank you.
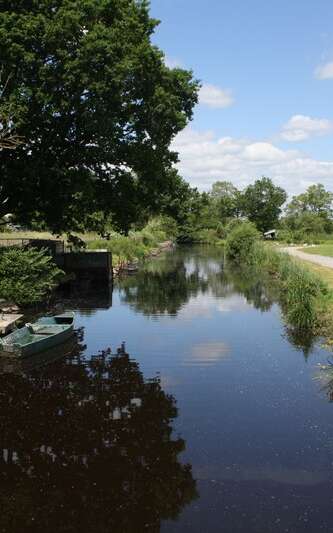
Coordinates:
(262, 203)
(241, 242)
(97, 108)
(27, 276)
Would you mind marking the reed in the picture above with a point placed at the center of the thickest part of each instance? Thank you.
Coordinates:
(304, 296)
(300, 289)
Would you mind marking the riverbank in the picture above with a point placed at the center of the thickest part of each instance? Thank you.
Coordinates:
(129, 266)
(316, 263)
(305, 298)
(306, 287)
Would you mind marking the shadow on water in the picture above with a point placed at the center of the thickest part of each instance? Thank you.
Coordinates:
(86, 445)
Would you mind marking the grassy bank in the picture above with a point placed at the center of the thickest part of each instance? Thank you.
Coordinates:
(322, 249)
(305, 295)
(325, 273)
(45, 235)
(134, 247)
(138, 244)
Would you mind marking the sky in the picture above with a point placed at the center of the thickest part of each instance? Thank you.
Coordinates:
(265, 106)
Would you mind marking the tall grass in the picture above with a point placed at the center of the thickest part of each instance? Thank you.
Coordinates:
(300, 289)
(301, 292)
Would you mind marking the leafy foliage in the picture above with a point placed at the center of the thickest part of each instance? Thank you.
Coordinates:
(138, 244)
(96, 106)
(262, 202)
(314, 200)
(240, 242)
(310, 213)
(226, 200)
(27, 275)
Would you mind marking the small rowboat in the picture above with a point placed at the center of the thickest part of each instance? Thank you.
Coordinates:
(47, 332)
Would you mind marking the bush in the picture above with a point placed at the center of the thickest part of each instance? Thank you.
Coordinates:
(241, 241)
(232, 224)
(206, 236)
(27, 276)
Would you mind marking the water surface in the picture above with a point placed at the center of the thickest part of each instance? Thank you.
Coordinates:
(207, 419)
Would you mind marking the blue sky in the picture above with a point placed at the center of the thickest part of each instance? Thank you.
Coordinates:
(267, 74)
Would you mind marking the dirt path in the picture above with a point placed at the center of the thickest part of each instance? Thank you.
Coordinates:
(313, 258)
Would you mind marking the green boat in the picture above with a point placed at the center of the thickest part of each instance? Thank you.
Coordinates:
(47, 332)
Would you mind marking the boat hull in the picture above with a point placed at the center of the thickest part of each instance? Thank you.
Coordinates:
(45, 344)
(47, 333)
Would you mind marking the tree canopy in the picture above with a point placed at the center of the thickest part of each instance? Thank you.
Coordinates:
(262, 203)
(226, 198)
(96, 106)
(314, 200)
(311, 211)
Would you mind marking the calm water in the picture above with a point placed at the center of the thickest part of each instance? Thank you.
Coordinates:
(208, 419)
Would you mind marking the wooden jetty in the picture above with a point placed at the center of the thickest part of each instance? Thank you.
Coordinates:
(8, 322)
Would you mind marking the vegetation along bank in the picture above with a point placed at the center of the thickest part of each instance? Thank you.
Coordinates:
(305, 297)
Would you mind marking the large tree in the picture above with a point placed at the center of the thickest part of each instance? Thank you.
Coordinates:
(311, 211)
(226, 199)
(314, 200)
(96, 106)
(262, 202)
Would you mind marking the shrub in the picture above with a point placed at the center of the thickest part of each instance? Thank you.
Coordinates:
(241, 241)
(206, 236)
(27, 276)
(232, 224)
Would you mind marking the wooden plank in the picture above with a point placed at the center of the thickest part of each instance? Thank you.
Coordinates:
(8, 322)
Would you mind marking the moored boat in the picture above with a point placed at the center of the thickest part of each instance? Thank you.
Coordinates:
(34, 338)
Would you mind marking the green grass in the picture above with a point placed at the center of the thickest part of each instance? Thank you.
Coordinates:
(44, 235)
(325, 273)
(321, 249)
(305, 297)
(324, 303)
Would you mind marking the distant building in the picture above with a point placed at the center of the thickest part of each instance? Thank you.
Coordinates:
(271, 234)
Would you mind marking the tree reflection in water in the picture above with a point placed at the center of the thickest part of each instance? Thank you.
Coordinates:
(166, 284)
(86, 445)
(162, 286)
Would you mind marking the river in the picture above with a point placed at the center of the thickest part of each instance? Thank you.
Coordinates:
(185, 406)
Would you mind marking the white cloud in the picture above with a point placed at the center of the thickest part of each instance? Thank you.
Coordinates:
(215, 97)
(301, 127)
(204, 159)
(209, 352)
(325, 71)
(172, 62)
(263, 152)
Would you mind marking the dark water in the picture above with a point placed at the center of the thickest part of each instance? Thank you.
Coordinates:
(209, 418)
